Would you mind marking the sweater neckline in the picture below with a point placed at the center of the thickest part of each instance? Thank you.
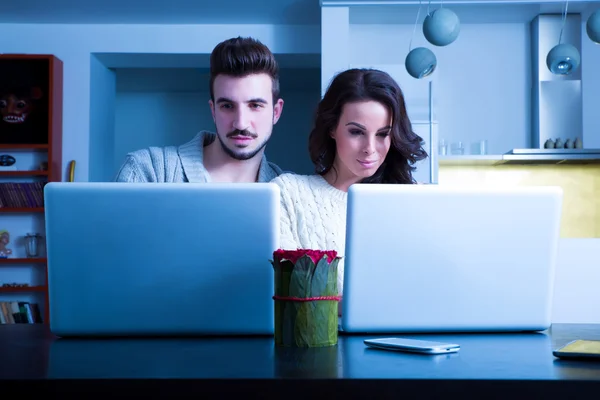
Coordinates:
(336, 193)
(191, 155)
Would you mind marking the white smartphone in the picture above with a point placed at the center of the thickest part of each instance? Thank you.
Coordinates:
(412, 345)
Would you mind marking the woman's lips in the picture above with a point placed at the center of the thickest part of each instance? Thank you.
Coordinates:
(367, 163)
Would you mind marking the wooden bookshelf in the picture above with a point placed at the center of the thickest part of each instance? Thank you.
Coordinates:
(42, 135)
(16, 261)
(23, 173)
(23, 289)
(24, 147)
(21, 209)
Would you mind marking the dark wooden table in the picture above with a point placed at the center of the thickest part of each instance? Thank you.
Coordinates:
(488, 366)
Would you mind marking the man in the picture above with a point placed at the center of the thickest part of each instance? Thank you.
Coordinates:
(245, 104)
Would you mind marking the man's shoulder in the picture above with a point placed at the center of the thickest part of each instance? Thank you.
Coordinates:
(153, 153)
(171, 151)
(276, 169)
(268, 171)
(150, 164)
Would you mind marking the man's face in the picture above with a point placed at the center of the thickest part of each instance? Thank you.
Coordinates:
(244, 113)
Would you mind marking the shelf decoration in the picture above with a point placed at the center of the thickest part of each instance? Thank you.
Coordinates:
(24, 101)
(32, 244)
(4, 241)
(306, 298)
(7, 163)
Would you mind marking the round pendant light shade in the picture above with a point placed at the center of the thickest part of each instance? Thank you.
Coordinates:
(593, 26)
(563, 59)
(420, 62)
(441, 27)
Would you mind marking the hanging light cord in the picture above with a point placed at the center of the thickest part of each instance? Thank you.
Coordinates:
(415, 28)
(564, 20)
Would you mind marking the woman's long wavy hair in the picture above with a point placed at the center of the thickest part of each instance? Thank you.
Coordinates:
(357, 85)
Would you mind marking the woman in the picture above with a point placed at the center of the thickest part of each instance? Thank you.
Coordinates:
(361, 134)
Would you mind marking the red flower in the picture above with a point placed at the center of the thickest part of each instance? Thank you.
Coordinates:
(294, 255)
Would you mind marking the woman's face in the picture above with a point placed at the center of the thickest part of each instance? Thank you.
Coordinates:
(362, 139)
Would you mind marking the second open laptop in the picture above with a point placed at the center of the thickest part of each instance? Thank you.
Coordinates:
(161, 258)
(435, 258)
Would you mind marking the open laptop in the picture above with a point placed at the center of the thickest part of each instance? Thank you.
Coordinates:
(435, 258)
(161, 258)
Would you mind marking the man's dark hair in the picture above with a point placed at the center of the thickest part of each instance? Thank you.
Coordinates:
(240, 57)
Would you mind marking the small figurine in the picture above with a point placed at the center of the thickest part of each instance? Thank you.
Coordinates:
(559, 143)
(18, 104)
(4, 241)
(15, 284)
(6, 160)
(578, 143)
(569, 144)
(549, 144)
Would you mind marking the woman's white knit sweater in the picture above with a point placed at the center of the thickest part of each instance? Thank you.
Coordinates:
(313, 216)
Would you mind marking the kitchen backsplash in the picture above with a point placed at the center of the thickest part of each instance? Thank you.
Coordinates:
(581, 185)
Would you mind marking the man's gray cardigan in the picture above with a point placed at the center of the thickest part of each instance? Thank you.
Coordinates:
(179, 164)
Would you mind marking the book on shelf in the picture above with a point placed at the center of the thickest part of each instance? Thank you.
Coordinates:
(19, 312)
(22, 194)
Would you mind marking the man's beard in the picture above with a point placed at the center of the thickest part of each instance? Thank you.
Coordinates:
(241, 155)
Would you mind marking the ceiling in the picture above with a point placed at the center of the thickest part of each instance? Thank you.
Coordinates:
(493, 12)
(300, 12)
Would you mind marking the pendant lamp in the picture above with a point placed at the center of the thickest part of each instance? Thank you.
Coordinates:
(441, 27)
(563, 58)
(420, 62)
(593, 26)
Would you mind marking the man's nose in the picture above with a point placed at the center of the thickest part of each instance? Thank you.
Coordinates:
(240, 122)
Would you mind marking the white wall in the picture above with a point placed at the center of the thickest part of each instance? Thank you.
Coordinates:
(101, 135)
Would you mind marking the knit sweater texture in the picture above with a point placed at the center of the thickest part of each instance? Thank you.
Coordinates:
(175, 164)
(313, 216)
